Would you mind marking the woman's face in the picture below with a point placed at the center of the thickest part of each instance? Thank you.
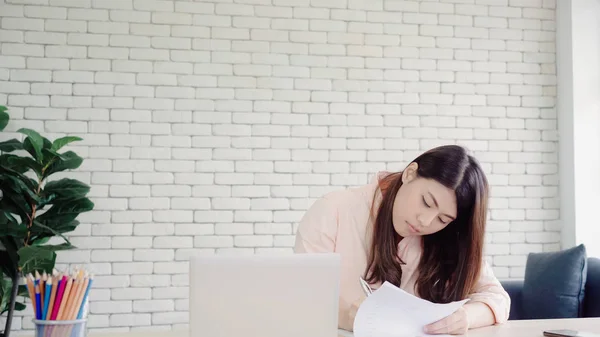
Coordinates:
(422, 206)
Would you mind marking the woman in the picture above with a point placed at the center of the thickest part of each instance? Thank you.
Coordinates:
(422, 230)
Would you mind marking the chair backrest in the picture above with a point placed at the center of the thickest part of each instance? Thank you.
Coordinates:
(591, 302)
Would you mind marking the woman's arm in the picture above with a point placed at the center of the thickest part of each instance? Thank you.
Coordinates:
(489, 292)
(470, 316)
(479, 315)
(489, 304)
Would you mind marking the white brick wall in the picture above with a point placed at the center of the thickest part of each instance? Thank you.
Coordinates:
(210, 127)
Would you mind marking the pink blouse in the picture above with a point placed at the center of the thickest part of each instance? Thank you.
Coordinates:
(339, 222)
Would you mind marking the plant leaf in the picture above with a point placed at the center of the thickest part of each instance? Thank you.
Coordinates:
(11, 145)
(41, 258)
(70, 161)
(5, 292)
(66, 188)
(66, 211)
(4, 170)
(36, 140)
(4, 117)
(8, 218)
(47, 146)
(28, 146)
(32, 258)
(9, 206)
(53, 226)
(50, 154)
(10, 259)
(60, 142)
(13, 199)
(41, 241)
(20, 306)
(9, 162)
(45, 200)
(62, 246)
(22, 188)
(23, 290)
(7, 266)
(21, 164)
(42, 231)
(13, 229)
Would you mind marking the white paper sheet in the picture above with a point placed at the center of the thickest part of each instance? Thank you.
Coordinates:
(392, 312)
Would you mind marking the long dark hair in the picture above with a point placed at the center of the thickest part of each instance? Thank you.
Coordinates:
(451, 258)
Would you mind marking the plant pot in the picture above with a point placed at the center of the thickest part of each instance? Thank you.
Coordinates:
(14, 276)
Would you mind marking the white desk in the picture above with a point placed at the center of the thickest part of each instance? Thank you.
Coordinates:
(529, 328)
(533, 328)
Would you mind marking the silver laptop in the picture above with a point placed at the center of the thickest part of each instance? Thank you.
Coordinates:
(293, 295)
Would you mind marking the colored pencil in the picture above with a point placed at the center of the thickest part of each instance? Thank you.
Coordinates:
(85, 296)
(65, 299)
(31, 290)
(46, 296)
(80, 301)
(38, 302)
(43, 280)
(78, 295)
(56, 278)
(61, 305)
(59, 296)
(75, 296)
(36, 284)
(74, 293)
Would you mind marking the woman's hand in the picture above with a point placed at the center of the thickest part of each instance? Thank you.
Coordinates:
(455, 324)
(470, 316)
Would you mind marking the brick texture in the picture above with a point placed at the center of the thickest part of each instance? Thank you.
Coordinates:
(210, 126)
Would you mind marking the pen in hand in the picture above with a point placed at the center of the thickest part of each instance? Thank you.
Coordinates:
(365, 286)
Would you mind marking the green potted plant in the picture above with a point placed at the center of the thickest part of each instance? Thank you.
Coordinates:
(34, 209)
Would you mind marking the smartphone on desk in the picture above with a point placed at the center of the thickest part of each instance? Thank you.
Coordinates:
(569, 333)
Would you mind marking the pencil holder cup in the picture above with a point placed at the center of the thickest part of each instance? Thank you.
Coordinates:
(74, 328)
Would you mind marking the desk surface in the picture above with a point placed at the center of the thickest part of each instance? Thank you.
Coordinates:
(532, 328)
(527, 328)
